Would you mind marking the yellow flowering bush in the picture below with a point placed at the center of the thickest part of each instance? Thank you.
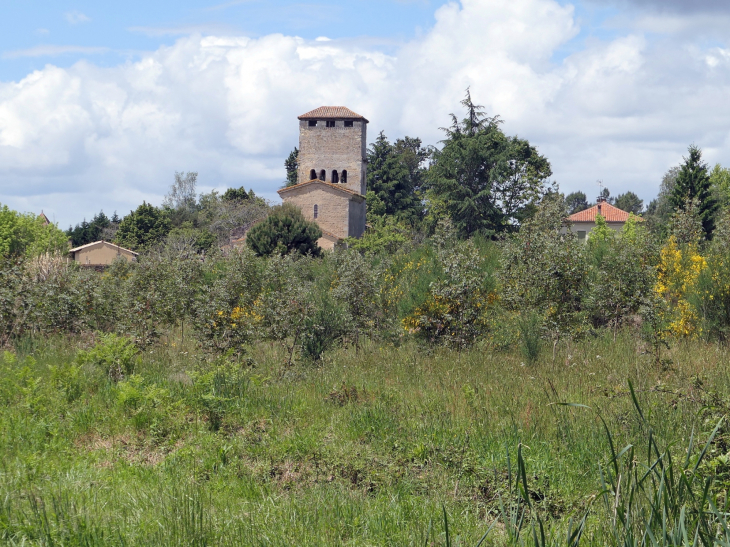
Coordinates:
(677, 275)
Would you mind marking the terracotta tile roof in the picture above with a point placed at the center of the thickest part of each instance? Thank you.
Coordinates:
(608, 211)
(329, 112)
(337, 187)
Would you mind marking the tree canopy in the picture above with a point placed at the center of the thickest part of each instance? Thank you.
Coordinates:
(576, 202)
(693, 183)
(28, 234)
(144, 227)
(100, 227)
(484, 179)
(284, 231)
(394, 178)
(629, 202)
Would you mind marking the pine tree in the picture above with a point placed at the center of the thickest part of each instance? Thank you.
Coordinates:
(693, 183)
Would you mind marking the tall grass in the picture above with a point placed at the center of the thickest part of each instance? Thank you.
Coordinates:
(366, 448)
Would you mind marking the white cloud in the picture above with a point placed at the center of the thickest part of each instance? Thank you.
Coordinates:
(74, 140)
(76, 17)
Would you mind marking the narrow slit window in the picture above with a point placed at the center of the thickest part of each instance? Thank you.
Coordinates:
(312, 174)
(322, 175)
(348, 123)
(335, 177)
(316, 211)
(312, 123)
(330, 123)
(344, 176)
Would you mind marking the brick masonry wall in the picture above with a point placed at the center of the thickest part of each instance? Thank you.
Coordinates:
(334, 148)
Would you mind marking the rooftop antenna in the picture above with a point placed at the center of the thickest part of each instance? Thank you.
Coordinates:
(600, 191)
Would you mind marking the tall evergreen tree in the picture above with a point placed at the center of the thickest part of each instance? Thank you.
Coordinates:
(483, 179)
(693, 183)
(393, 178)
(292, 167)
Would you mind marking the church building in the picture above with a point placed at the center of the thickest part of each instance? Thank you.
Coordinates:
(330, 188)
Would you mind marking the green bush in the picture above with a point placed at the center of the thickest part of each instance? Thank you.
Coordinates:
(113, 354)
(285, 230)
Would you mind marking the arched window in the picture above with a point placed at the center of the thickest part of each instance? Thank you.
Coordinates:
(322, 174)
(316, 211)
(335, 177)
(344, 176)
(312, 174)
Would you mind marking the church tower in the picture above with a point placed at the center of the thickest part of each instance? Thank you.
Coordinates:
(333, 147)
(331, 181)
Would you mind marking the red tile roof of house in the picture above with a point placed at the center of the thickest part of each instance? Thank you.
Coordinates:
(329, 112)
(608, 211)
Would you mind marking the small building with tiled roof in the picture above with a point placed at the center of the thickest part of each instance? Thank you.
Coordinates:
(584, 221)
(331, 177)
(100, 253)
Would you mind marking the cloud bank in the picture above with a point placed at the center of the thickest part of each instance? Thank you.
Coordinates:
(75, 140)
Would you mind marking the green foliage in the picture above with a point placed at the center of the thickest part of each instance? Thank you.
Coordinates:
(385, 236)
(720, 182)
(543, 270)
(394, 178)
(237, 194)
(576, 202)
(225, 313)
(530, 336)
(621, 274)
(686, 224)
(201, 239)
(143, 227)
(693, 183)
(323, 329)
(456, 306)
(25, 234)
(483, 178)
(100, 227)
(629, 202)
(115, 355)
(600, 234)
(285, 230)
(291, 164)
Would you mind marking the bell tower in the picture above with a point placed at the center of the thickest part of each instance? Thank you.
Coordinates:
(333, 147)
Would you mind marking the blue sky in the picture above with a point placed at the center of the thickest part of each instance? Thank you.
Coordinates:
(113, 32)
(101, 102)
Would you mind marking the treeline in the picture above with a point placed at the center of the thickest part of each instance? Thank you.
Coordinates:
(468, 244)
(204, 220)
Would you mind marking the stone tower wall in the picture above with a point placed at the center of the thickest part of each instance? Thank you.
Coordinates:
(334, 149)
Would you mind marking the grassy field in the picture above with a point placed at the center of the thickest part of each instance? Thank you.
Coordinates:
(377, 446)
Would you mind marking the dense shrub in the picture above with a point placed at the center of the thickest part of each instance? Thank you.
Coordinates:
(285, 230)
